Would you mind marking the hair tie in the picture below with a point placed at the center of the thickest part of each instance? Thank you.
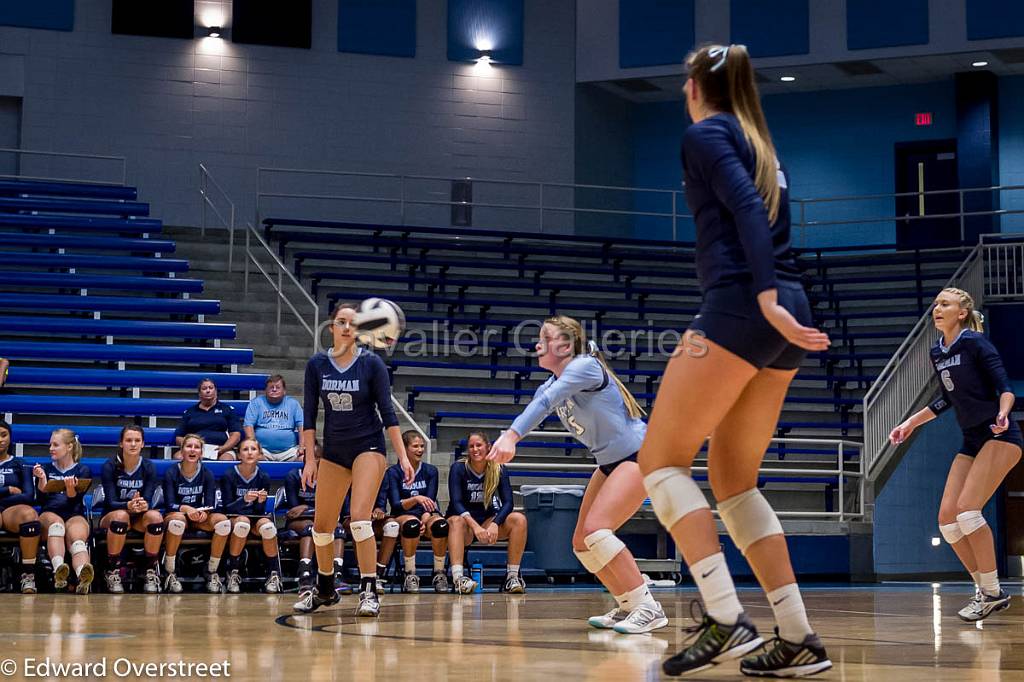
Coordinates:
(592, 348)
(979, 316)
(720, 54)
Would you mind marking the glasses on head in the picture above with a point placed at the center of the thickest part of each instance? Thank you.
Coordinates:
(719, 54)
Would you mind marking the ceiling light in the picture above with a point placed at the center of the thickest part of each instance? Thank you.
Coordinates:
(981, 63)
(788, 79)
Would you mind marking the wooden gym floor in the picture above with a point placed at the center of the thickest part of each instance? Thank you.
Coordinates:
(903, 632)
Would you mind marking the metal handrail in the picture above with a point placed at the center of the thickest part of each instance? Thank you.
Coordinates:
(69, 155)
(206, 177)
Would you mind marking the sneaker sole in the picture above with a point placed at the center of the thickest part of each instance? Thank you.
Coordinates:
(795, 671)
(60, 577)
(367, 614)
(30, 590)
(732, 654)
(601, 625)
(653, 625)
(85, 579)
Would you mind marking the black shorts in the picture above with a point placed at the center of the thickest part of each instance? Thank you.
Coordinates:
(976, 436)
(731, 317)
(607, 469)
(345, 453)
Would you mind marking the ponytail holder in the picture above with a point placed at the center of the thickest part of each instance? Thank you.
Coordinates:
(592, 348)
(720, 54)
(979, 316)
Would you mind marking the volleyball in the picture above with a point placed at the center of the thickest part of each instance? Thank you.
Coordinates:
(379, 322)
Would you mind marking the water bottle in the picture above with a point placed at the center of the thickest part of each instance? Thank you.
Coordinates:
(476, 571)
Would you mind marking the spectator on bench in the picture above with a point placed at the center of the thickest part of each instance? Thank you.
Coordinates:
(129, 488)
(16, 512)
(216, 422)
(62, 513)
(190, 500)
(275, 420)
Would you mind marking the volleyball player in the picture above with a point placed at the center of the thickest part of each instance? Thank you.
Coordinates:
(974, 383)
(481, 508)
(129, 485)
(243, 493)
(418, 514)
(301, 502)
(16, 512)
(601, 413)
(62, 513)
(729, 376)
(190, 500)
(355, 390)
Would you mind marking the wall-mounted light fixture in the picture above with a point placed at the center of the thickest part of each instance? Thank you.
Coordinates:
(213, 31)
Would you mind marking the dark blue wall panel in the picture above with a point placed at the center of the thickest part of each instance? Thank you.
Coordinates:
(654, 32)
(385, 27)
(882, 23)
(497, 22)
(770, 29)
(977, 137)
(58, 15)
(994, 19)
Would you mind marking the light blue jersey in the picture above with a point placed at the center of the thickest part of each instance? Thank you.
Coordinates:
(590, 406)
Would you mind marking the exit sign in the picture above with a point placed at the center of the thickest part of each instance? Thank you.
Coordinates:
(923, 118)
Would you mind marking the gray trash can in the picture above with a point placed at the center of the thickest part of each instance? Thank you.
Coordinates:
(551, 512)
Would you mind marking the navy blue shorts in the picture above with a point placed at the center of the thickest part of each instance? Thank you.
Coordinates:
(344, 454)
(607, 469)
(731, 317)
(976, 436)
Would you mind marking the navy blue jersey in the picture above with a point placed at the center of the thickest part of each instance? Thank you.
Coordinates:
(198, 491)
(59, 503)
(971, 377)
(233, 488)
(120, 485)
(14, 474)
(356, 398)
(466, 491)
(425, 483)
(213, 424)
(735, 242)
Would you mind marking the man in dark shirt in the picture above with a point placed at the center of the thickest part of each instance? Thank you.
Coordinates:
(217, 423)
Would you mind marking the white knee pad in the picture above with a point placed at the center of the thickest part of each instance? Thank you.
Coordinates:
(79, 546)
(603, 546)
(391, 529)
(674, 494)
(951, 532)
(363, 530)
(56, 530)
(588, 560)
(242, 529)
(748, 517)
(176, 527)
(322, 539)
(222, 528)
(970, 521)
(268, 531)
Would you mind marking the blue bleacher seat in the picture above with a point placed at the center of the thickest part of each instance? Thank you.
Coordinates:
(65, 280)
(78, 242)
(95, 206)
(110, 303)
(36, 434)
(94, 190)
(116, 407)
(44, 376)
(74, 260)
(76, 223)
(65, 352)
(276, 470)
(78, 326)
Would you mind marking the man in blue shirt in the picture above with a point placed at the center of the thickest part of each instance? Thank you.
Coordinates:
(275, 420)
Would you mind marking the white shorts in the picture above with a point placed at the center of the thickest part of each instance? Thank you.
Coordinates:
(288, 455)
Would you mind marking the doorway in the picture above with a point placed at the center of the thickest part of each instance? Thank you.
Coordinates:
(926, 167)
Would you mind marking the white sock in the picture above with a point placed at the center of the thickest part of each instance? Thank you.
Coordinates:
(29, 561)
(410, 564)
(78, 569)
(717, 589)
(213, 564)
(169, 561)
(57, 562)
(339, 563)
(990, 583)
(976, 577)
(790, 615)
(456, 571)
(512, 569)
(438, 563)
(636, 597)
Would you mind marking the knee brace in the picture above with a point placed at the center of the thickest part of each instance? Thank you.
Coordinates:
(155, 529)
(57, 530)
(363, 530)
(970, 521)
(222, 528)
(242, 529)
(439, 529)
(391, 529)
(115, 527)
(79, 546)
(588, 560)
(748, 517)
(603, 546)
(322, 539)
(951, 532)
(30, 529)
(176, 527)
(306, 532)
(268, 531)
(411, 529)
(674, 494)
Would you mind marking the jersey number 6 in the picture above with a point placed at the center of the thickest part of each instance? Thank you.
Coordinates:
(340, 402)
(947, 380)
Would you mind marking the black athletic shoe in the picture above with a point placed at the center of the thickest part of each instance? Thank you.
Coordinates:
(311, 600)
(786, 659)
(713, 643)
